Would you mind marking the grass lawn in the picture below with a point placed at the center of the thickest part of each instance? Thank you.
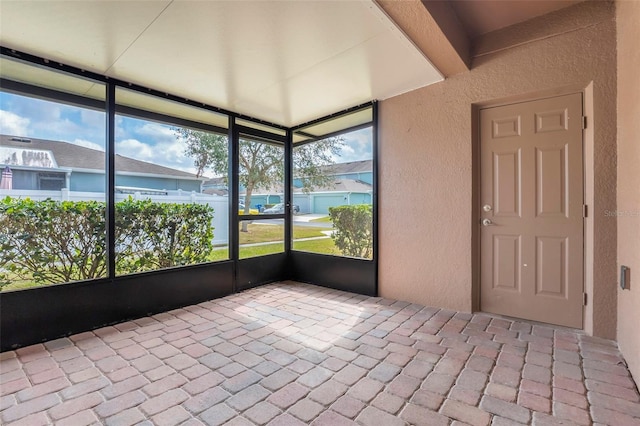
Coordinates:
(245, 252)
(255, 251)
(258, 233)
(324, 246)
(18, 284)
(326, 219)
(219, 254)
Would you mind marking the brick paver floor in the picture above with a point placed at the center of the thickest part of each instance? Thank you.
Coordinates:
(288, 354)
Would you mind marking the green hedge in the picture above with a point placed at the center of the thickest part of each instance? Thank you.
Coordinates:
(49, 242)
(353, 229)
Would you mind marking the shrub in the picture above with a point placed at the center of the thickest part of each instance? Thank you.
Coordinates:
(50, 241)
(353, 229)
(159, 235)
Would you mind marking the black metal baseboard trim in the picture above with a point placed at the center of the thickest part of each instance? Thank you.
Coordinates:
(45, 313)
(340, 273)
(257, 271)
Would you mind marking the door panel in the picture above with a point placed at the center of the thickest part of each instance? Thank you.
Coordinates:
(551, 272)
(532, 196)
(551, 181)
(506, 261)
(507, 185)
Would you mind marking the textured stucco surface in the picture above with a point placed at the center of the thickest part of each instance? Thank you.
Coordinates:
(426, 161)
(628, 18)
(562, 21)
(438, 34)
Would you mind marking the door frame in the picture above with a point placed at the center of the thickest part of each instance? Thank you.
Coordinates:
(588, 189)
(256, 271)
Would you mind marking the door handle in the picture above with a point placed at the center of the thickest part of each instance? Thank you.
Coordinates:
(486, 222)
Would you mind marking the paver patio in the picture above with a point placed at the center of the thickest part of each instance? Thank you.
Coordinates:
(289, 353)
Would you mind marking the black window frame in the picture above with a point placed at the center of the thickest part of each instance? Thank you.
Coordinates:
(85, 305)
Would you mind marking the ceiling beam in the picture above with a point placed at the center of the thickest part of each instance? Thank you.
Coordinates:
(434, 28)
(567, 19)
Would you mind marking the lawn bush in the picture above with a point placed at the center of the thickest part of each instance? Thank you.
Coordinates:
(49, 241)
(153, 235)
(353, 229)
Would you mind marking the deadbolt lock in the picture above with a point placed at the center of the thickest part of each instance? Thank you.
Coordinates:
(486, 208)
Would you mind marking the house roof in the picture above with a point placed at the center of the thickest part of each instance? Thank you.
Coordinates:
(350, 167)
(71, 156)
(331, 170)
(341, 185)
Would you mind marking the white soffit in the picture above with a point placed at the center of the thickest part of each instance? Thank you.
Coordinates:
(23, 73)
(346, 121)
(160, 105)
(286, 62)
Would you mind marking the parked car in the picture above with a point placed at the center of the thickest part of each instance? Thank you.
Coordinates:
(241, 209)
(279, 209)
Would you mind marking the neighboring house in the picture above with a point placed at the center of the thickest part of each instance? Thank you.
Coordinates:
(215, 186)
(263, 198)
(361, 171)
(39, 164)
(260, 197)
(352, 184)
(341, 192)
(355, 170)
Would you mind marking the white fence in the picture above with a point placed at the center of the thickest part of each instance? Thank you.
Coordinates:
(219, 203)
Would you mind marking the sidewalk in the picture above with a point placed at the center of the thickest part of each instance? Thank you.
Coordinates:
(308, 217)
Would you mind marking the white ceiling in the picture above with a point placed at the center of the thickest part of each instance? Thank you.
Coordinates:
(286, 62)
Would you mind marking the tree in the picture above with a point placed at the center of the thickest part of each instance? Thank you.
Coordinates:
(311, 160)
(261, 163)
(208, 150)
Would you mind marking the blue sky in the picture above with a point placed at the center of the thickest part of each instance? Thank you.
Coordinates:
(139, 139)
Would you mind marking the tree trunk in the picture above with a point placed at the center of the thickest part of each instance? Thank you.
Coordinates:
(247, 207)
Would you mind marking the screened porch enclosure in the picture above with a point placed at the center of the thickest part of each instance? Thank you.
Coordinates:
(132, 227)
